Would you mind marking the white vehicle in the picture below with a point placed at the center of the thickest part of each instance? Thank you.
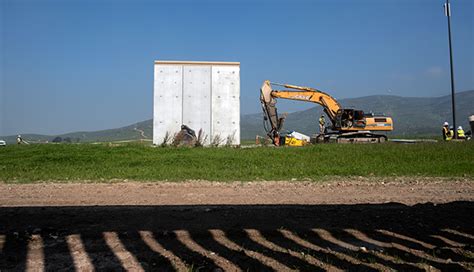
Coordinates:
(3, 143)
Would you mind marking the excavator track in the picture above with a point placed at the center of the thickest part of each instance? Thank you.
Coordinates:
(355, 137)
(350, 137)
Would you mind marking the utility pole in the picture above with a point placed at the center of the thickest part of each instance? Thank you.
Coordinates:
(447, 12)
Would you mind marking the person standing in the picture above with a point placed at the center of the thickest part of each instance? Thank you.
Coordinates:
(446, 131)
(322, 124)
(19, 140)
(461, 134)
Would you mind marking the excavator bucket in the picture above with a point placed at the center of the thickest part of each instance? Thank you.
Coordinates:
(268, 105)
(266, 93)
(270, 111)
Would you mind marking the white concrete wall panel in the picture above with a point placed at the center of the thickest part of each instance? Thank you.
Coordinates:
(168, 102)
(197, 98)
(201, 95)
(226, 102)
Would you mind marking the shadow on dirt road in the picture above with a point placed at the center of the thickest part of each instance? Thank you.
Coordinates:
(245, 237)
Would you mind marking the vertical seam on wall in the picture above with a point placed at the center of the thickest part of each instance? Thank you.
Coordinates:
(238, 107)
(211, 125)
(182, 97)
(154, 104)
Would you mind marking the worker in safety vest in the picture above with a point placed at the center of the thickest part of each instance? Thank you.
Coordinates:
(461, 134)
(446, 134)
(322, 123)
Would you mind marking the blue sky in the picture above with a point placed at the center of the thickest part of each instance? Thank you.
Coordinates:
(87, 65)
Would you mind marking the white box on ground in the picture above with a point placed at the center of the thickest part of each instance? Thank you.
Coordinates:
(299, 136)
(201, 95)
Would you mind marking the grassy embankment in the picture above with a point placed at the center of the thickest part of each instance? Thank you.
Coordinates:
(21, 164)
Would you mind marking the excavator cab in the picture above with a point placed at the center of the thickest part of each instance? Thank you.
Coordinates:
(349, 119)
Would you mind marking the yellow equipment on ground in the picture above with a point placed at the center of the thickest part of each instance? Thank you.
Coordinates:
(291, 141)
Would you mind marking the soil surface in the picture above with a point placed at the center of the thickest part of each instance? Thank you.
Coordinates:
(362, 224)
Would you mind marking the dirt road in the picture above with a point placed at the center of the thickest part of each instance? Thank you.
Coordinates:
(362, 225)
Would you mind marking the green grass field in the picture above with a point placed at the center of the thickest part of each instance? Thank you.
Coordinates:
(63, 162)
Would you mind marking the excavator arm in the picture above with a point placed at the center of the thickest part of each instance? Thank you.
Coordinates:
(329, 104)
(268, 95)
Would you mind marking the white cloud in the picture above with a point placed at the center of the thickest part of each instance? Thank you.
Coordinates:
(402, 76)
(434, 71)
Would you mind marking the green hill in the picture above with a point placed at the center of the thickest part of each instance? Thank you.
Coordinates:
(413, 116)
(131, 132)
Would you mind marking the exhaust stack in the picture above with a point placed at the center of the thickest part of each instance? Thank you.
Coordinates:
(471, 122)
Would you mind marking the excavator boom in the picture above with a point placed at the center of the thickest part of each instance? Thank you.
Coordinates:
(330, 105)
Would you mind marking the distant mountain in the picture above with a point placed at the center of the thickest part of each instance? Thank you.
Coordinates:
(131, 132)
(413, 116)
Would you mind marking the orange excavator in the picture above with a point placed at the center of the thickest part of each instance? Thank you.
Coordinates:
(347, 125)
